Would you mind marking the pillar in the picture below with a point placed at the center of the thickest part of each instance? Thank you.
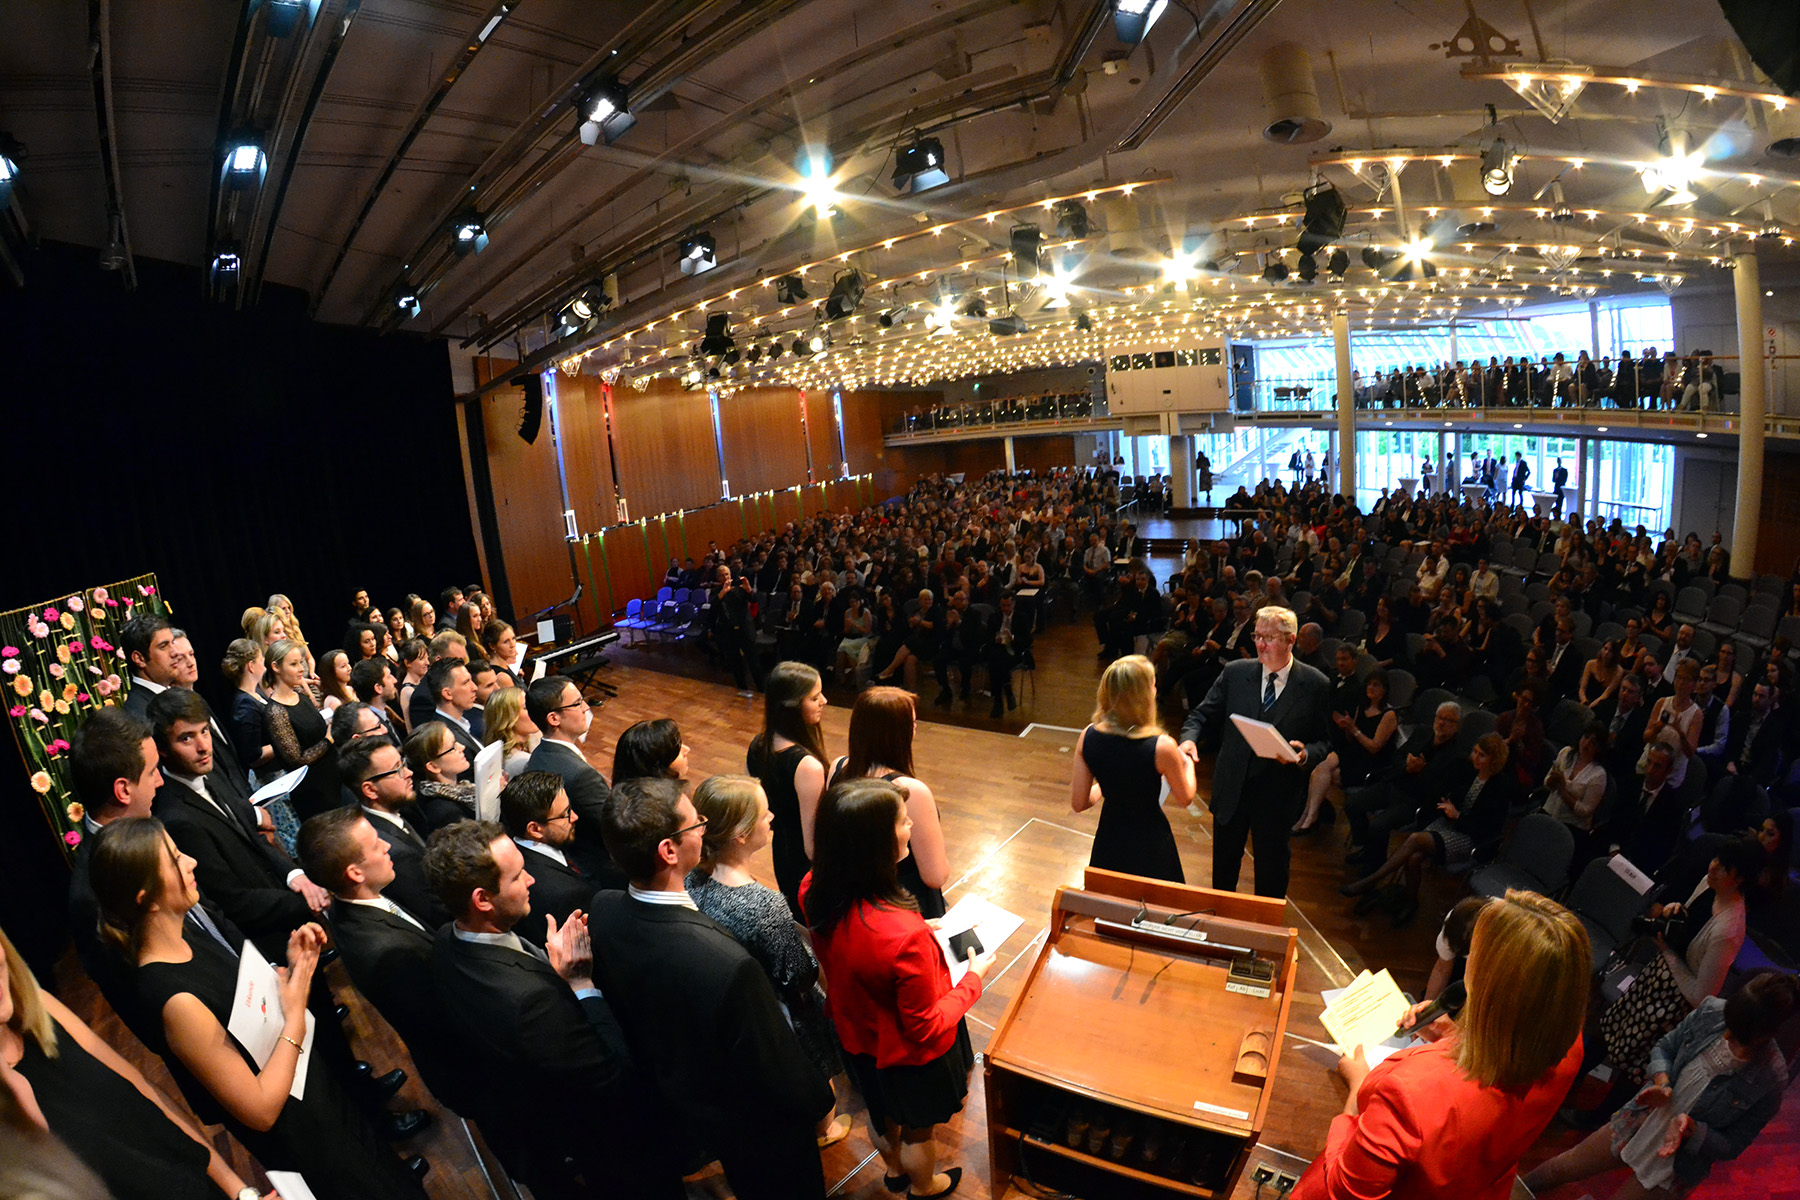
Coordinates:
(1346, 406)
(1593, 487)
(1580, 506)
(1181, 470)
(1752, 394)
(1011, 467)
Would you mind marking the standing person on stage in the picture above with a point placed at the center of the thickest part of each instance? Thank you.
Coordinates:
(1121, 760)
(788, 759)
(882, 726)
(1258, 799)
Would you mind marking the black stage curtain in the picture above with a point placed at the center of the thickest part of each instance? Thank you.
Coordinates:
(234, 453)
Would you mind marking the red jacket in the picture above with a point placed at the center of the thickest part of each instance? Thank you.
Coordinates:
(888, 987)
(1424, 1130)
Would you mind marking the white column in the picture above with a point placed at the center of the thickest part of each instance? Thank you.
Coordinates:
(1581, 482)
(1346, 406)
(1752, 394)
(1181, 470)
(1011, 467)
(1593, 487)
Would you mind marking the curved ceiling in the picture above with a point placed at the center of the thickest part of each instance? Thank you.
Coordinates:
(385, 122)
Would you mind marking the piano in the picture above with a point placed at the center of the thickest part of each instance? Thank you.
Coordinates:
(583, 659)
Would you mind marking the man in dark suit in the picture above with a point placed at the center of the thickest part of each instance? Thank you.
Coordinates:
(209, 815)
(1564, 665)
(543, 1046)
(1559, 479)
(1649, 825)
(1006, 646)
(162, 657)
(697, 1011)
(374, 684)
(1624, 716)
(1258, 799)
(536, 812)
(453, 690)
(1420, 776)
(556, 706)
(379, 780)
(446, 643)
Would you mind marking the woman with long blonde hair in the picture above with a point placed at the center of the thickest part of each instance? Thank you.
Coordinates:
(505, 720)
(1121, 761)
(1454, 1116)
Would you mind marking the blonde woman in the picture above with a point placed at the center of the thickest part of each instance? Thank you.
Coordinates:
(1121, 760)
(281, 606)
(1454, 1116)
(505, 720)
(738, 822)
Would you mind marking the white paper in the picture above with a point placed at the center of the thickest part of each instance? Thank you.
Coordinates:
(991, 923)
(289, 1185)
(256, 1016)
(1024, 592)
(546, 632)
(490, 778)
(275, 789)
(1625, 869)
(1373, 1051)
(1265, 740)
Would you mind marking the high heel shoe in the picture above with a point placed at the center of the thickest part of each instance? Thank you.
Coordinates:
(1361, 886)
(955, 1174)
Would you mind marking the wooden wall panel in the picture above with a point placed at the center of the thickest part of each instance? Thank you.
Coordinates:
(630, 570)
(667, 457)
(822, 436)
(580, 407)
(868, 416)
(1778, 533)
(527, 501)
(764, 447)
(1043, 453)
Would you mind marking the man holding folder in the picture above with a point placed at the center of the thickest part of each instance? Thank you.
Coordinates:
(1256, 799)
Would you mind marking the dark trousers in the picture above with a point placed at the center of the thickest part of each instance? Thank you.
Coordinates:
(1263, 819)
(775, 1166)
(1374, 812)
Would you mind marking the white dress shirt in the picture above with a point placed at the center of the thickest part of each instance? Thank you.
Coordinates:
(543, 848)
(673, 899)
(388, 906)
(1281, 681)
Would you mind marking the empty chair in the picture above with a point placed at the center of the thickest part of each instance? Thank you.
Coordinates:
(1605, 902)
(1736, 591)
(1351, 624)
(1425, 705)
(1773, 585)
(1514, 602)
(1502, 555)
(1475, 723)
(1535, 860)
(1758, 626)
(681, 596)
(1567, 721)
(1789, 628)
(1512, 585)
(1707, 587)
(1706, 644)
(1415, 644)
(1301, 600)
(1584, 648)
(1521, 624)
(1540, 608)
(1478, 689)
(1401, 688)
(633, 618)
(1328, 648)
(1608, 631)
(1763, 600)
(1584, 624)
(1722, 616)
(1690, 605)
(1524, 561)
(663, 596)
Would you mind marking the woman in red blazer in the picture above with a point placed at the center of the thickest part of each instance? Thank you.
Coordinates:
(888, 987)
(1453, 1117)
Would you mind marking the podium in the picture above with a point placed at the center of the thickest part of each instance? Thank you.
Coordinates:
(1137, 1058)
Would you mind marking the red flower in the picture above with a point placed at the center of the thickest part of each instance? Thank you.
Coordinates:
(73, 837)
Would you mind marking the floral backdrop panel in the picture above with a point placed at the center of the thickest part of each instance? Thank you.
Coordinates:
(61, 662)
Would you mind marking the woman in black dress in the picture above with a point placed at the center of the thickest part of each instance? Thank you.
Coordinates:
(1386, 640)
(788, 759)
(101, 1107)
(737, 815)
(1364, 744)
(881, 747)
(299, 732)
(1120, 761)
(145, 887)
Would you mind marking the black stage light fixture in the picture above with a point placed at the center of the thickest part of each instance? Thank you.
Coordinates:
(717, 339)
(974, 307)
(1008, 325)
(1132, 19)
(1027, 251)
(1275, 272)
(605, 115)
(1339, 262)
(406, 303)
(1084, 322)
(699, 254)
(1308, 269)
(790, 289)
(774, 350)
(799, 347)
(846, 296)
(1415, 268)
(818, 341)
(531, 416)
(919, 167)
(1071, 220)
(1375, 259)
(1323, 223)
(892, 316)
(245, 163)
(468, 233)
(753, 355)
(731, 357)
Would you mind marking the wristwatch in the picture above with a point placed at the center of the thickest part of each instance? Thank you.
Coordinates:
(248, 1193)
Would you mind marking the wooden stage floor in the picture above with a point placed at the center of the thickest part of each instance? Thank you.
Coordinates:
(1002, 788)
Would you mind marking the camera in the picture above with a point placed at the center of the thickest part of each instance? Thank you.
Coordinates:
(1650, 926)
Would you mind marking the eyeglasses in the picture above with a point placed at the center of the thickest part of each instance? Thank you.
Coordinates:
(379, 776)
(579, 702)
(451, 749)
(686, 829)
(1269, 637)
(567, 814)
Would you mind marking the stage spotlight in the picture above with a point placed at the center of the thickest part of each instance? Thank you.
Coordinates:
(732, 356)
(975, 307)
(604, 114)
(753, 355)
(226, 262)
(818, 341)
(1027, 251)
(799, 347)
(846, 296)
(1071, 220)
(816, 189)
(406, 303)
(1307, 270)
(774, 351)
(1497, 168)
(1132, 19)
(919, 167)
(1008, 325)
(1275, 272)
(699, 254)
(1323, 223)
(717, 339)
(245, 162)
(1560, 212)
(1084, 322)
(888, 319)
(11, 152)
(468, 234)
(1375, 259)
(790, 289)
(1339, 262)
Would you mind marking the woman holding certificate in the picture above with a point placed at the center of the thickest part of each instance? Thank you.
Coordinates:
(1121, 761)
(1452, 1117)
(188, 973)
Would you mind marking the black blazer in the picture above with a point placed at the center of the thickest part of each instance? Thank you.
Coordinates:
(588, 795)
(701, 1016)
(1299, 714)
(242, 873)
(410, 889)
(556, 891)
(225, 755)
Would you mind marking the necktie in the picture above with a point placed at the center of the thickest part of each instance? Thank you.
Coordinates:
(397, 911)
(1269, 691)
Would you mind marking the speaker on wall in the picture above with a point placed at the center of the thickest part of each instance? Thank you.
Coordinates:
(531, 416)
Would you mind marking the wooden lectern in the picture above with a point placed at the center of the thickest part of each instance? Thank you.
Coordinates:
(1137, 1057)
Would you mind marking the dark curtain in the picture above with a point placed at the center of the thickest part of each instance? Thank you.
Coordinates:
(233, 453)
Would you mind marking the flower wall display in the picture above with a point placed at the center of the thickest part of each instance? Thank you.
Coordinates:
(59, 662)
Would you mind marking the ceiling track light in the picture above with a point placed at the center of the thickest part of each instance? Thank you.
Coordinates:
(406, 303)
(1132, 19)
(699, 254)
(1560, 212)
(468, 233)
(919, 167)
(605, 112)
(846, 295)
(245, 164)
(790, 289)
(284, 16)
(1497, 168)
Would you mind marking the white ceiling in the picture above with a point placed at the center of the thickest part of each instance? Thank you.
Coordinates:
(739, 88)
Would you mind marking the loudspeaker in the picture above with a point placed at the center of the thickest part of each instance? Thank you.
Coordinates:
(531, 416)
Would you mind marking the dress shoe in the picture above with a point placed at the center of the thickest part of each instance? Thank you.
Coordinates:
(418, 1166)
(1369, 902)
(364, 1070)
(994, 713)
(1012, 701)
(894, 1183)
(398, 1126)
(955, 1174)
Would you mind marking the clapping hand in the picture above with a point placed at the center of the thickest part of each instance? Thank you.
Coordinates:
(1449, 810)
(1675, 1134)
(570, 950)
(1654, 1096)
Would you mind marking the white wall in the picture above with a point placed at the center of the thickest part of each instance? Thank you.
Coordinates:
(1705, 489)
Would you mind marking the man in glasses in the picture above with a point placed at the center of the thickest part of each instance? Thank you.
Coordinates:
(698, 1009)
(377, 777)
(555, 706)
(1256, 800)
(536, 811)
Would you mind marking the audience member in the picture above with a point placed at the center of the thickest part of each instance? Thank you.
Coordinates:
(539, 817)
(506, 721)
(788, 759)
(650, 750)
(557, 707)
(381, 783)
